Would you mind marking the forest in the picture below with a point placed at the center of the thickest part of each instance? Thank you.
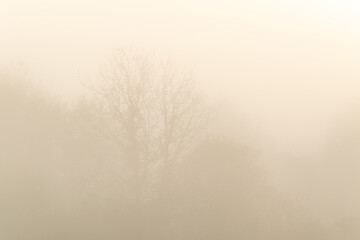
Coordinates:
(145, 157)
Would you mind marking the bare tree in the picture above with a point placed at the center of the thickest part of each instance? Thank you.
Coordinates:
(155, 113)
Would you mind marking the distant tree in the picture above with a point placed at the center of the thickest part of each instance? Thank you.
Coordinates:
(52, 167)
(224, 194)
(155, 113)
(218, 182)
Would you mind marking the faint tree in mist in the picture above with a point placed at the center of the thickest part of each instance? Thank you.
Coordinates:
(155, 113)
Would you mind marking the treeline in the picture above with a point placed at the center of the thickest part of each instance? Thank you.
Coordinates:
(62, 178)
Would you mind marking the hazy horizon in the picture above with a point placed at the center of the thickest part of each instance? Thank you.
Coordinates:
(286, 70)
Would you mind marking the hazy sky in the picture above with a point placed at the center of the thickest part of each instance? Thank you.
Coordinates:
(290, 67)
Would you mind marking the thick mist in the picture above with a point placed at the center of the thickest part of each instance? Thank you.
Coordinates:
(179, 119)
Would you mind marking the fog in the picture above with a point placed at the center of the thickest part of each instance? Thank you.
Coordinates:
(271, 149)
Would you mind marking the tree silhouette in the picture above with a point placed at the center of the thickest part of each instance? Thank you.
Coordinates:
(154, 114)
